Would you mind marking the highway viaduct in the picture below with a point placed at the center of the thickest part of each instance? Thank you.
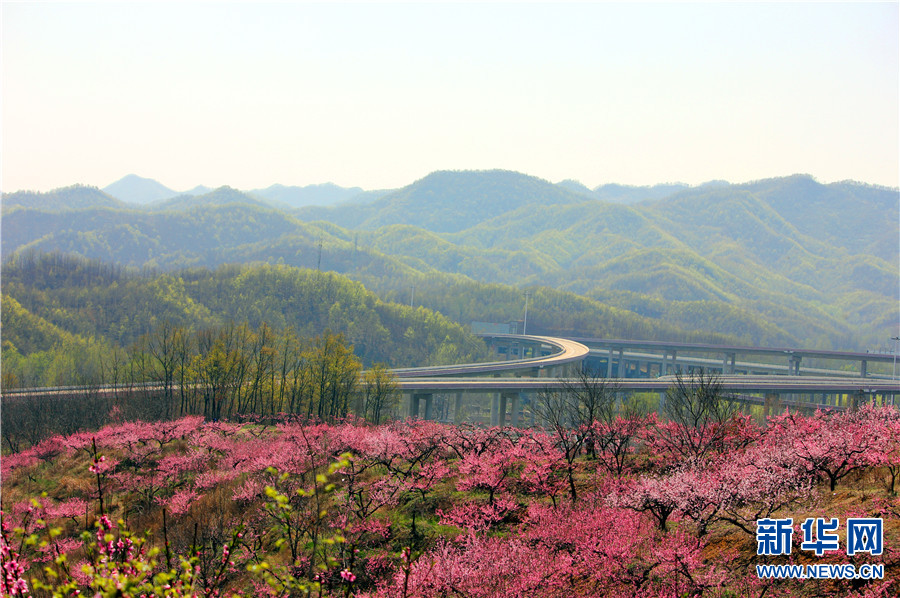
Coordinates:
(532, 364)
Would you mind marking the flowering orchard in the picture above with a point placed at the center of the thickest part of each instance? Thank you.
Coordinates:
(282, 507)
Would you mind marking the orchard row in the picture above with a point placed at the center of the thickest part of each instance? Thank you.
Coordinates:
(619, 504)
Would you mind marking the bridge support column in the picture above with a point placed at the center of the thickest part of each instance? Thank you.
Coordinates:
(457, 408)
(413, 405)
(609, 364)
(674, 363)
(501, 415)
(862, 368)
(794, 365)
(620, 372)
(856, 399)
(772, 405)
(429, 406)
(728, 363)
(662, 368)
(516, 409)
(495, 407)
(661, 410)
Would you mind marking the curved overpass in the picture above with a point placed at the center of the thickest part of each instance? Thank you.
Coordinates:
(554, 359)
(508, 382)
(554, 356)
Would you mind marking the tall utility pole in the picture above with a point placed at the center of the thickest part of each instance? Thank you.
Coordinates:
(525, 325)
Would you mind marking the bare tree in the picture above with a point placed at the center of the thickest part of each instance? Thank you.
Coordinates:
(569, 414)
(699, 415)
(379, 393)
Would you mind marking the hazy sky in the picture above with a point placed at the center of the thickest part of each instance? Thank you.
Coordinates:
(379, 95)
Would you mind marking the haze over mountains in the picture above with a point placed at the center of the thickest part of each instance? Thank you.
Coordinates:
(784, 260)
(134, 189)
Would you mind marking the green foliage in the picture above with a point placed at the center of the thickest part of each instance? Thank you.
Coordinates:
(55, 305)
(448, 201)
(790, 255)
(76, 197)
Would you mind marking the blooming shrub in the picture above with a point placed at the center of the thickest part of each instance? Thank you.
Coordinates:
(288, 508)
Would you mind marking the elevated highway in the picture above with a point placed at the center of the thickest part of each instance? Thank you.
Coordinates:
(530, 364)
(667, 356)
(536, 363)
(549, 357)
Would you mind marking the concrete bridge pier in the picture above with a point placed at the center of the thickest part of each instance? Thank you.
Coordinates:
(511, 400)
(862, 368)
(772, 406)
(529, 398)
(415, 398)
(609, 362)
(495, 408)
(794, 365)
(728, 363)
(457, 408)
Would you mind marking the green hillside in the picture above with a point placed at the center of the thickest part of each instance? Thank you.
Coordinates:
(51, 300)
(449, 201)
(76, 197)
(789, 258)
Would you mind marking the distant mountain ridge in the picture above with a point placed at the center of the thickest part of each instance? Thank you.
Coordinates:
(783, 258)
(326, 194)
(75, 197)
(137, 190)
(627, 194)
(450, 201)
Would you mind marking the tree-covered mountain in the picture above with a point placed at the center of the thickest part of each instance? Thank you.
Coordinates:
(75, 197)
(139, 190)
(788, 260)
(327, 194)
(54, 305)
(626, 194)
(450, 201)
(218, 197)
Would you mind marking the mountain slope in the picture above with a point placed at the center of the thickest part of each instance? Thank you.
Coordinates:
(450, 201)
(788, 258)
(139, 190)
(76, 197)
(327, 194)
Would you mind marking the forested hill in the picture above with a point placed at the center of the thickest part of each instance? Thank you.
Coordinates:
(450, 201)
(139, 191)
(58, 308)
(785, 260)
(75, 197)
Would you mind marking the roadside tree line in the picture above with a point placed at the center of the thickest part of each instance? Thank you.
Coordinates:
(227, 372)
